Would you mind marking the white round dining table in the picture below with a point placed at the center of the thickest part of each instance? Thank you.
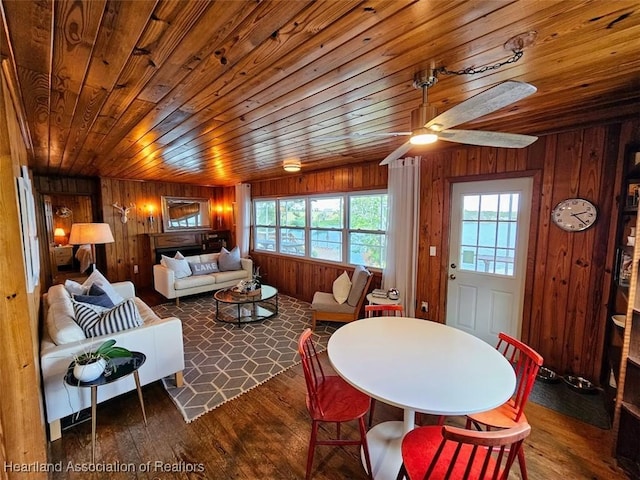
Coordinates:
(419, 366)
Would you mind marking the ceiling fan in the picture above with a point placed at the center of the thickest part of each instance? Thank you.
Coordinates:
(428, 127)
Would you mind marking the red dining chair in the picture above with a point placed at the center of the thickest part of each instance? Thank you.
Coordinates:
(526, 362)
(383, 310)
(446, 452)
(330, 399)
(380, 311)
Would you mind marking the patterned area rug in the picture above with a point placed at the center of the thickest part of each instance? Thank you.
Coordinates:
(223, 361)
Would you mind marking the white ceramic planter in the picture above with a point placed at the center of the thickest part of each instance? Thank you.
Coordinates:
(90, 371)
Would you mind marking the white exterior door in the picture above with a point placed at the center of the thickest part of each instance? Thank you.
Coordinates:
(487, 256)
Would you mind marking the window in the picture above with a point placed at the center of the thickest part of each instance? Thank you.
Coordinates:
(327, 221)
(489, 227)
(344, 228)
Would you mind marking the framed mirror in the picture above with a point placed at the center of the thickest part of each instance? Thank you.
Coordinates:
(185, 213)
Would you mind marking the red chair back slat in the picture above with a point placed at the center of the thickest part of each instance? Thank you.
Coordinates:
(312, 368)
(460, 453)
(526, 363)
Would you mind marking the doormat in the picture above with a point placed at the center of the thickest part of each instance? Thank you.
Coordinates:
(587, 407)
(225, 360)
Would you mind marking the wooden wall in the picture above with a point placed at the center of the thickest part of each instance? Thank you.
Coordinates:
(568, 274)
(131, 243)
(22, 434)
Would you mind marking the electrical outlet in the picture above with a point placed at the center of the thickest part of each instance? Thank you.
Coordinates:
(135, 269)
(424, 307)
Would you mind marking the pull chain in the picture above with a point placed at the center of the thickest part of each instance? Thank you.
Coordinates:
(517, 55)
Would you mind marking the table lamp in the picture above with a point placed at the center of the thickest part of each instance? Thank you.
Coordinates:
(92, 234)
(59, 236)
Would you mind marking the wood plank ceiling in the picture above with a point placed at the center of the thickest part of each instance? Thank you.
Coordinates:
(220, 92)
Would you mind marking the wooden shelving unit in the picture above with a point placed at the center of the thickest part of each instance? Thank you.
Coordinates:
(624, 352)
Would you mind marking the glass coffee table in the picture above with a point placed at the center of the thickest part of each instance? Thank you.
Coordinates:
(232, 307)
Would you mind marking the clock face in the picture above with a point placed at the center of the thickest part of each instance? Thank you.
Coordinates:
(574, 214)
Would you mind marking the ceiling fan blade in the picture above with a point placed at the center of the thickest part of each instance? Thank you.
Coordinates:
(487, 139)
(397, 153)
(351, 136)
(490, 100)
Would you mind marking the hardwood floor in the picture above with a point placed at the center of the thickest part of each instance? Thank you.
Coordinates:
(264, 435)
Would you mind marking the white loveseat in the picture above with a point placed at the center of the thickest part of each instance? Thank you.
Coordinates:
(165, 281)
(159, 339)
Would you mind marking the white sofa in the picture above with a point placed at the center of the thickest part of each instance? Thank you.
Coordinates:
(167, 284)
(159, 339)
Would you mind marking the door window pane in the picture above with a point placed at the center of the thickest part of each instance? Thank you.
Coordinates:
(488, 233)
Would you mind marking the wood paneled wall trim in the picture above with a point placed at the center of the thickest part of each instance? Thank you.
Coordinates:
(22, 435)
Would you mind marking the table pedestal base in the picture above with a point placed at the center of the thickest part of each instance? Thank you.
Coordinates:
(385, 441)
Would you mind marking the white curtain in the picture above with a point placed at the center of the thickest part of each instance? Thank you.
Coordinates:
(403, 230)
(242, 212)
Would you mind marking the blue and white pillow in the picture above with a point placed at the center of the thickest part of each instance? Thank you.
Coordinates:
(96, 321)
(96, 296)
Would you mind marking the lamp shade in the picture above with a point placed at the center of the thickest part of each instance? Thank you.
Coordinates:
(93, 233)
(59, 232)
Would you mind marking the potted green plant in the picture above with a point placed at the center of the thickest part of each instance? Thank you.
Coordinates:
(90, 365)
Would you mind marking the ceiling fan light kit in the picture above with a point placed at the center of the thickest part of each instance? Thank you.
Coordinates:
(422, 136)
(291, 165)
(419, 118)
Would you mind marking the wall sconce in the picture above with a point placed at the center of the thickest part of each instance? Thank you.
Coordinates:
(219, 214)
(150, 217)
(59, 236)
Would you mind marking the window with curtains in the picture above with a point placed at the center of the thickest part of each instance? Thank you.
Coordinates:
(346, 228)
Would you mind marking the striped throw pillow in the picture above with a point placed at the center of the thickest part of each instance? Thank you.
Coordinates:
(96, 321)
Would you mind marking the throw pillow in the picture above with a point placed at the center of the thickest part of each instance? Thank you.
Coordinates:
(204, 268)
(180, 267)
(95, 323)
(74, 288)
(97, 278)
(229, 260)
(358, 282)
(96, 296)
(341, 288)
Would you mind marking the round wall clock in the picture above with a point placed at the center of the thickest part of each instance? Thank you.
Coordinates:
(574, 214)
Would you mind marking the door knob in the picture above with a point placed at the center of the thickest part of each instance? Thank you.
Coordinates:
(452, 276)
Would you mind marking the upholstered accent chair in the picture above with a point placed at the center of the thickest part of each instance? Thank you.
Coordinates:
(325, 306)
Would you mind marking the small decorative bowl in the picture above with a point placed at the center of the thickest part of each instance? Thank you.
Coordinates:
(547, 375)
(619, 320)
(579, 384)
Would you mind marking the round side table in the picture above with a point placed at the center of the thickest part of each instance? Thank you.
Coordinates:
(123, 367)
(381, 301)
